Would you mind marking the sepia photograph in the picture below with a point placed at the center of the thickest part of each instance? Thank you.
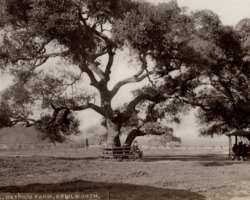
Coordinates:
(124, 99)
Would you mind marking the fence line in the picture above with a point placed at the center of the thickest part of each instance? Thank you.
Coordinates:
(220, 147)
(143, 147)
(39, 146)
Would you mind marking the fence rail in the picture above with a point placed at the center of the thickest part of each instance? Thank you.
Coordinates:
(186, 147)
(39, 146)
(143, 147)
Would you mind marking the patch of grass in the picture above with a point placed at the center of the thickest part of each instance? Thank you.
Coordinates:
(138, 174)
(207, 155)
(215, 164)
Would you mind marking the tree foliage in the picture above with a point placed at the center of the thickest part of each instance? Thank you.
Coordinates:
(80, 33)
(165, 139)
(185, 57)
(55, 129)
(223, 94)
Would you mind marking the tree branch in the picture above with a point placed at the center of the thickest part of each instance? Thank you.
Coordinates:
(132, 135)
(45, 56)
(227, 89)
(74, 81)
(203, 107)
(90, 74)
(100, 35)
(94, 67)
(156, 98)
(91, 106)
(132, 79)
(109, 64)
(35, 122)
(52, 54)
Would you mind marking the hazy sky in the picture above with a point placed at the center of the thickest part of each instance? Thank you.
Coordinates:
(230, 12)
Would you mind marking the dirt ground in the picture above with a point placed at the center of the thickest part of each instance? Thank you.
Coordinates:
(163, 174)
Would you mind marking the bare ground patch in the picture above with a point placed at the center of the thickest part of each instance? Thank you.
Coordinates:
(182, 177)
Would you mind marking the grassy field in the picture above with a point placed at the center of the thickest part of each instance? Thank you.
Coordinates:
(203, 174)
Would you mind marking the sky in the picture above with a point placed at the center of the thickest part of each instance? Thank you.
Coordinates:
(230, 12)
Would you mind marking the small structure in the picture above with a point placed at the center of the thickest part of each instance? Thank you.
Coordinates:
(118, 153)
(236, 135)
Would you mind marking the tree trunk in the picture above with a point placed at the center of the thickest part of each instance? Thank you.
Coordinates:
(131, 136)
(113, 135)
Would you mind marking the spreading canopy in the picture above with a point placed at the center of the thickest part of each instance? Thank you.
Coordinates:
(175, 51)
(223, 93)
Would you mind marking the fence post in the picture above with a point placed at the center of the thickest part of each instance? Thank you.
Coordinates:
(87, 143)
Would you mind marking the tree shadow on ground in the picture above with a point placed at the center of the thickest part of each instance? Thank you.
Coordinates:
(117, 191)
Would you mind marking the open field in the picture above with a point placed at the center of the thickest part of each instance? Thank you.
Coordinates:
(203, 174)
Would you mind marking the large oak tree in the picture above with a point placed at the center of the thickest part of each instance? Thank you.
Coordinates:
(80, 33)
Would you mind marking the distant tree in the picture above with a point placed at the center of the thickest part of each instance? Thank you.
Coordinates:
(10, 115)
(99, 134)
(18, 135)
(5, 121)
(56, 129)
(165, 139)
